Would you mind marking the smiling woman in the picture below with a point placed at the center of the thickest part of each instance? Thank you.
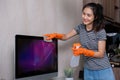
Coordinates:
(92, 36)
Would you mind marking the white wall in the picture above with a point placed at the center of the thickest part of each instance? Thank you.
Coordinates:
(36, 17)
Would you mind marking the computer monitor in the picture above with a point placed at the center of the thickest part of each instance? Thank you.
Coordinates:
(35, 59)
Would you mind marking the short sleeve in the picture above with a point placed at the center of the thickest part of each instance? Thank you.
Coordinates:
(101, 35)
(78, 28)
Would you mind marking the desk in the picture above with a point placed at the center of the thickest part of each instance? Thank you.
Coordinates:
(62, 78)
(58, 78)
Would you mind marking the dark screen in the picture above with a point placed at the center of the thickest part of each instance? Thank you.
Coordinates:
(34, 56)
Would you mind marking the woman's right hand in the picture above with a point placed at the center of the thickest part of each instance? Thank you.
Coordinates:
(54, 35)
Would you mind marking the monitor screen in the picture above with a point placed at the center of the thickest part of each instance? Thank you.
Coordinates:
(34, 56)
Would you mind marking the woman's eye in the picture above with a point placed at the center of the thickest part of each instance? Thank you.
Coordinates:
(83, 13)
(88, 15)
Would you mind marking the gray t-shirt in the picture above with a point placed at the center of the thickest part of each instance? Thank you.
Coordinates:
(89, 40)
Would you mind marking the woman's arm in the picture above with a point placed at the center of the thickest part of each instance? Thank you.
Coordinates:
(91, 53)
(61, 36)
(69, 35)
(101, 49)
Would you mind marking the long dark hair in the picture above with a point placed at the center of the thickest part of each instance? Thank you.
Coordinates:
(97, 9)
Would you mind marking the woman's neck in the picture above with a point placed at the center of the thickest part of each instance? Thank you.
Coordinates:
(89, 27)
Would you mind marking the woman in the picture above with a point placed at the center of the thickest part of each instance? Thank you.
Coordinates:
(92, 38)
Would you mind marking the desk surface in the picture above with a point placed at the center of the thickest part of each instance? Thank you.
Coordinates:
(62, 78)
(58, 78)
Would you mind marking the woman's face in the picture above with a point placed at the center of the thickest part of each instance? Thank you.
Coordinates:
(87, 16)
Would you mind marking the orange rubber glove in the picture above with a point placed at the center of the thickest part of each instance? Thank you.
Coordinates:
(76, 45)
(54, 35)
(83, 51)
